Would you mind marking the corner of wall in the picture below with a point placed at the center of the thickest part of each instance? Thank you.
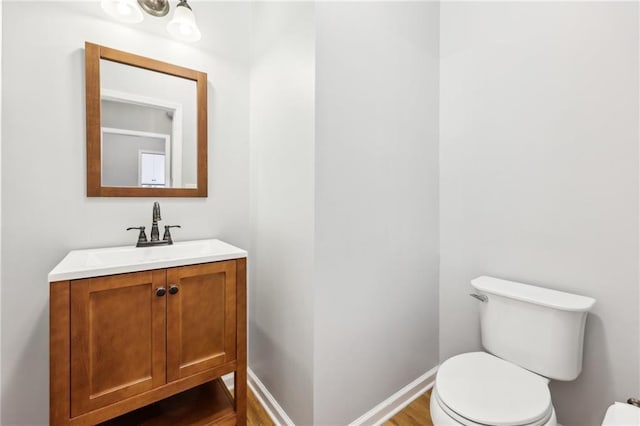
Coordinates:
(638, 18)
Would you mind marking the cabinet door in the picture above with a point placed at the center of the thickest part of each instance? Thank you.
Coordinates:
(201, 317)
(118, 338)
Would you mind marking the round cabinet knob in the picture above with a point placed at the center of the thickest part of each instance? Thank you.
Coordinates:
(173, 289)
(160, 291)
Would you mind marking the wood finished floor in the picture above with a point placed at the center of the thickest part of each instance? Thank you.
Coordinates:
(414, 414)
(256, 416)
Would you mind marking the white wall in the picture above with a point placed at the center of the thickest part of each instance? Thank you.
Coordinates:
(282, 203)
(539, 174)
(1, 94)
(45, 211)
(344, 127)
(376, 222)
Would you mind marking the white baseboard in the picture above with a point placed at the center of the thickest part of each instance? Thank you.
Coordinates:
(229, 381)
(271, 406)
(376, 416)
(268, 402)
(396, 402)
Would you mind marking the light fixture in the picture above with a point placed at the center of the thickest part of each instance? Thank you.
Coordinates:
(183, 25)
(157, 8)
(123, 10)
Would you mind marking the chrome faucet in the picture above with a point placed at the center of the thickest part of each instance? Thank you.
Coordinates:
(155, 234)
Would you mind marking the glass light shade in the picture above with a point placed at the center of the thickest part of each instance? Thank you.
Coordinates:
(123, 10)
(183, 25)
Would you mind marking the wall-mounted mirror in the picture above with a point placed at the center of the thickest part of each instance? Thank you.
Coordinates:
(146, 126)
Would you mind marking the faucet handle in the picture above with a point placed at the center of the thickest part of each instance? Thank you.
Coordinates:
(142, 237)
(167, 233)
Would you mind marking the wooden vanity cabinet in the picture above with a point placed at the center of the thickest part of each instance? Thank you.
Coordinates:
(154, 343)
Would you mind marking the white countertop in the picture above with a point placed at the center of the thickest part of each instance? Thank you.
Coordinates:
(117, 260)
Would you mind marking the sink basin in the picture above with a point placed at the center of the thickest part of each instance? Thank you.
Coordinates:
(117, 260)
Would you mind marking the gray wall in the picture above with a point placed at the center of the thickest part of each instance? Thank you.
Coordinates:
(539, 175)
(282, 200)
(376, 216)
(45, 211)
(120, 157)
(344, 127)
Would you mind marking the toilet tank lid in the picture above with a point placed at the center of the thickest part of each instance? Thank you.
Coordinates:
(533, 294)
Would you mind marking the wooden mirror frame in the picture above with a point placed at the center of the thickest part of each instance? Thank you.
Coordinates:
(93, 54)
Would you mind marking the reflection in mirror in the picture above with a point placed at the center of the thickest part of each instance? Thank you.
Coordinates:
(136, 117)
(146, 126)
(128, 155)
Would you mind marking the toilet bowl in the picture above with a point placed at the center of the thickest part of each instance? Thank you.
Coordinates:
(530, 335)
(478, 389)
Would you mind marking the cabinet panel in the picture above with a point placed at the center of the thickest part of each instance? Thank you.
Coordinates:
(118, 337)
(201, 318)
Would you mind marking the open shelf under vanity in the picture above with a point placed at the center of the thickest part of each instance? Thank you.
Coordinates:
(209, 403)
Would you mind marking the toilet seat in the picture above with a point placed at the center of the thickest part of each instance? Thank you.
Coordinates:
(481, 389)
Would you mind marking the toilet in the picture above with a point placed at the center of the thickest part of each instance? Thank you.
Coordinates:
(530, 335)
(619, 414)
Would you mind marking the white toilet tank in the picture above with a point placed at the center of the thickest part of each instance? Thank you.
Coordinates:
(536, 328)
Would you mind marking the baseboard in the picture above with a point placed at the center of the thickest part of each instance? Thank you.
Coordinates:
(271, 406)
(268, 402)
(396, 402)
(376, 416)
(229, 381)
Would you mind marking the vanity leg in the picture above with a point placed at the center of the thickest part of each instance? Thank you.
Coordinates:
(241, 336)
(59, 363)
